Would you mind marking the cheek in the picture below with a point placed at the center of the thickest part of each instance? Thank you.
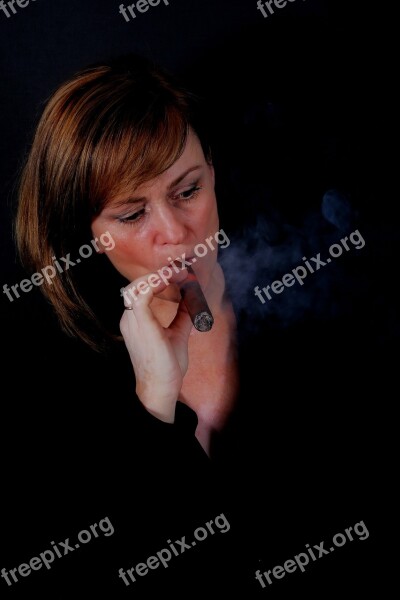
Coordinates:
(128, 251)
(209, 216)
(129, 254)
(128, 260)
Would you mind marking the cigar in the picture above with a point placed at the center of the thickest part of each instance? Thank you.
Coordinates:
(196, 303)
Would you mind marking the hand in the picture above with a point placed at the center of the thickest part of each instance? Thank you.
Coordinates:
(159, 355)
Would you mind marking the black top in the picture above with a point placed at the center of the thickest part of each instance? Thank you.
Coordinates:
(295, 466)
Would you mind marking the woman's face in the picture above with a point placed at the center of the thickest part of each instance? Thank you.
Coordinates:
(163, 219)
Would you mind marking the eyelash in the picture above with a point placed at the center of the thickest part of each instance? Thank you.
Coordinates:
(193, 193)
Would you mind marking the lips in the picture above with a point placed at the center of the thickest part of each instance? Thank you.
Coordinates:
(183, 263)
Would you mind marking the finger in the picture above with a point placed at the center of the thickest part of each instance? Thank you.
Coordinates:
(182, 323)
(143, 289)
(138, 296)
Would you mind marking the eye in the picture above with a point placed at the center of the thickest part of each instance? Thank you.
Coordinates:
(133, 218)
(189, 194)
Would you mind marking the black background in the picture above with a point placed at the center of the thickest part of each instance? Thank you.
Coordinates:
(298, 105)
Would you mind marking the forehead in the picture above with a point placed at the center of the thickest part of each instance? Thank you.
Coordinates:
(191, 156)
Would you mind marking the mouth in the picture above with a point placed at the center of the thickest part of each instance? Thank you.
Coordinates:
(183, 263)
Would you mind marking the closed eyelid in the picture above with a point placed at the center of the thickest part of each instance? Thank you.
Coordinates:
(141, 203)
(185, 187)
(130, 200)
(180, 180)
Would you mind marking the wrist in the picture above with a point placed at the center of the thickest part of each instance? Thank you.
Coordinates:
(155, 402)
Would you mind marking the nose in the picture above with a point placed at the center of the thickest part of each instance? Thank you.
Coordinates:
(169, 226)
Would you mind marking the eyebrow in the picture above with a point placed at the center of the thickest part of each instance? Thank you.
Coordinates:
(137, 199)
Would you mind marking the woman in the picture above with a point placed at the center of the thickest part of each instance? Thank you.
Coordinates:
(121, 162)
(121, 153)
(121, 149)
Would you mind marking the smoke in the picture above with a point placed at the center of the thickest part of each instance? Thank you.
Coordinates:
(266, 249)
